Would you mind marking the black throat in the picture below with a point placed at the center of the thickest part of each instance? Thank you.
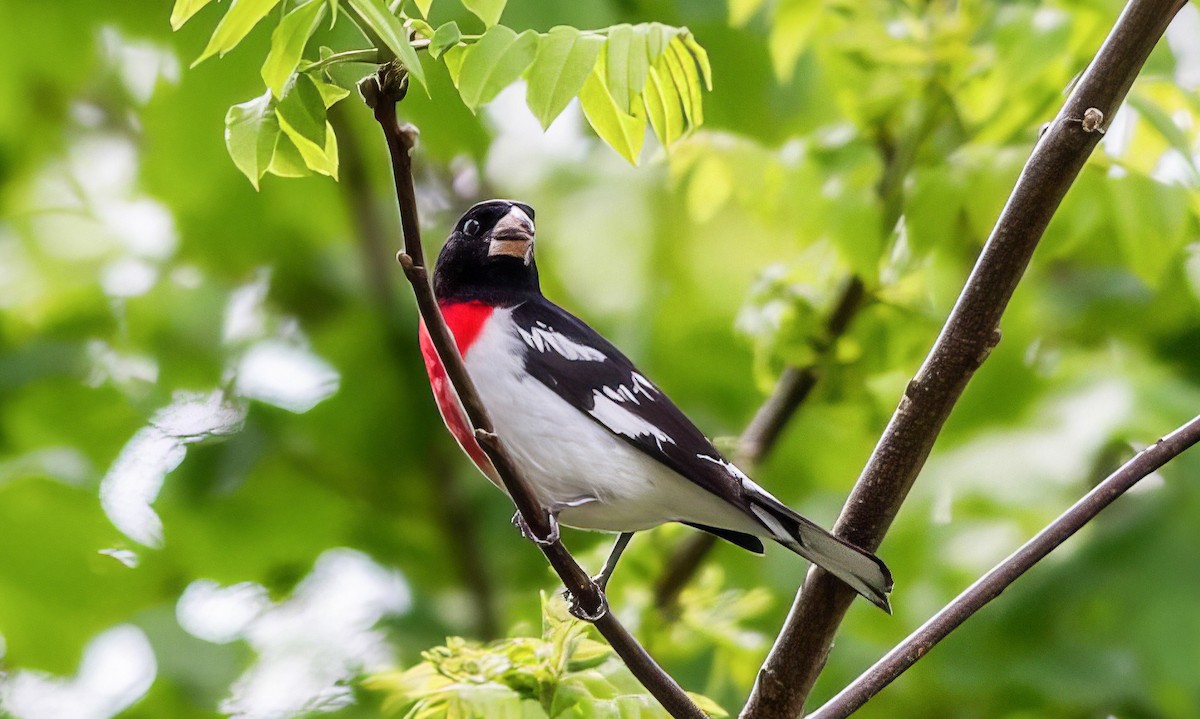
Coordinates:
(498, 281)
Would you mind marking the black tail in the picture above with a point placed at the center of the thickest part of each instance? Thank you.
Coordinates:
(863, 571)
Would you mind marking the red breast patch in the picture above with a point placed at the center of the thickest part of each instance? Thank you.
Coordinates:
(465, 320)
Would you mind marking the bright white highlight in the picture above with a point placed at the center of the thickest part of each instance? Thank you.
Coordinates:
(135, 478)
(309, 645)
(117, 669)
(289, 377)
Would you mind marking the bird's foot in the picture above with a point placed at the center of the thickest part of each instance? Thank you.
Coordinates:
(579, 612)
(529, 534)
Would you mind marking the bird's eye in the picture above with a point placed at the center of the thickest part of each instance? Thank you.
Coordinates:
(471, 227)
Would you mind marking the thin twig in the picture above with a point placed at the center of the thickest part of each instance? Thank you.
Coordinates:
(794, 386)
(453, 514)
(382, 91)
(918, 644)
(967, 338)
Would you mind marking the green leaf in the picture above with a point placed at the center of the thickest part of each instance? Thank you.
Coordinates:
(382, 22)
(663, 107)
(250, 134)
(454, 58)
(495, 62)
(243, 15)
(626, 64)
(288, 41)
(792, 26)
(701, 57)
(625, 133)
(319, 158)
(565, 58)
(423, 7)
(681, 69)
(740, 11)
(489, 11)
(657, 38)
(419, 26)
(287, 160)
(444, 37)
(303, 109)
(184, 10)
(330, 94)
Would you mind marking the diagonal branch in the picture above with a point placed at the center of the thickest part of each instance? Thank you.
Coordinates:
(381, 92)
(964, 606)
(453, 515)
(967, 338)
(759, 438)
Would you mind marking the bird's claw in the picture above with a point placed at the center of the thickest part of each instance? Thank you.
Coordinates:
(577, 610)
(529, 534)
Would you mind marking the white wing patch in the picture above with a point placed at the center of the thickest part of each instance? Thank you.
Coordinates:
(622, 421)
(729, 467)
(621, 393)
(543, 338)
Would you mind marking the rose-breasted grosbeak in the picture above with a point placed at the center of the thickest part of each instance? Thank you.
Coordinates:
(601, 444)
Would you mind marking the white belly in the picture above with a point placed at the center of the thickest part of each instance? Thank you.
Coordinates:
(597, 480)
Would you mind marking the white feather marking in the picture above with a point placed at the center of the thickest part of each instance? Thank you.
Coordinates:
(543, 339)
(771, 523)
(622, 421)
(732, 469)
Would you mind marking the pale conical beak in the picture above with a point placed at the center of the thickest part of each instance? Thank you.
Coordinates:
(513, 236)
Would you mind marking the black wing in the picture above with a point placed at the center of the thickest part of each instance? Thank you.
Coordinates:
(591, 374)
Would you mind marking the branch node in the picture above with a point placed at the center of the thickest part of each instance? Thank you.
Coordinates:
(577, 610)
(1092, 120)
(553, 535)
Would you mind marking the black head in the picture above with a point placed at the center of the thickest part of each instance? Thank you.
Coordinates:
(489, 255)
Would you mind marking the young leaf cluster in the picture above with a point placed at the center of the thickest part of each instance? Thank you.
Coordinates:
(565, 673)
(627, 77)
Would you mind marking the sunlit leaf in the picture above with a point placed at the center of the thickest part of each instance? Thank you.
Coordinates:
(493, 63)
(454, 58)
(387, 26)
(287, 160)
(792, 25)
(288, 41)
(423, 7)
(303, 109)
(681, 69)
(330, 94)
(740, 11)
(626, 64)
(624, 132)
(184, 10)
(444, 37)
(241, 18)
(663, 108)
(657, 38)
(250, 134)
(701, 57)
(565, 57)
(489, 11)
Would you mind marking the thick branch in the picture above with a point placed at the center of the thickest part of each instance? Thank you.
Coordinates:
(969, 334)
(918, 644)
(759, 438)
(382, 92)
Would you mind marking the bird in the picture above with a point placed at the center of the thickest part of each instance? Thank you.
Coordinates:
(602, 446)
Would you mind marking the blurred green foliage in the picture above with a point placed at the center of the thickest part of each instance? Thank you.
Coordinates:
(161, 322)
